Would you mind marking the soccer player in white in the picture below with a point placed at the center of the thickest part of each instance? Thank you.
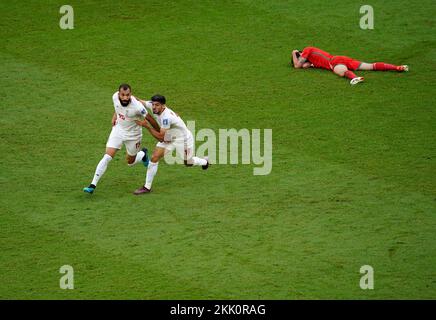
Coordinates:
(125, 131)
(173, 134)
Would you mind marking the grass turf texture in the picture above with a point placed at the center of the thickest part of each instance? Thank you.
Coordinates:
(353, 179)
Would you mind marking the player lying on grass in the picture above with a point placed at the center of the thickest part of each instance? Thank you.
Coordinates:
(343, 66)
(173, 134)
(124, 131)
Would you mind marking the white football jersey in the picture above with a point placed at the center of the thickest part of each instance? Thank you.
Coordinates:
(168, 119)
(126, 116)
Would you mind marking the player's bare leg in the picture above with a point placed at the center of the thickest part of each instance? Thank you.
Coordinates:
(130, 159)
(158, 154)
(189, 160)
(342, 71)
(101, 169)
(141, 156)
(381, 66)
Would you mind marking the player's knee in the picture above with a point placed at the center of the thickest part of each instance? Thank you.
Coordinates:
(340, 70)
(154, 159)
(340, 73)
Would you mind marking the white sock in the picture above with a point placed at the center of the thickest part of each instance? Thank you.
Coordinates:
(101, 168)
(138, 158)
(199, 161)
(151, 172)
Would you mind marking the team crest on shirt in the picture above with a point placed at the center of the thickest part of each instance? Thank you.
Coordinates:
(165, 122)
(143, 111)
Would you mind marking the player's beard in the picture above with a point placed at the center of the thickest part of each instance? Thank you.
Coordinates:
(124, 103)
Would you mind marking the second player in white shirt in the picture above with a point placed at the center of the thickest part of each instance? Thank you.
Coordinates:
(173, 134)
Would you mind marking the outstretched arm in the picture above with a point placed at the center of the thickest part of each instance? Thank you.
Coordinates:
(149, 117)
(142, 101)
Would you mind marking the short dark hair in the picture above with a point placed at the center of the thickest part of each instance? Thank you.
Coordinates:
(158, 98)
(124, 86)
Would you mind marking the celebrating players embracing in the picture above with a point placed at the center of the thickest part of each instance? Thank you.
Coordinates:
(124, 131)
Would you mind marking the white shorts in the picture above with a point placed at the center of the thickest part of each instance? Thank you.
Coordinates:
(184, 147)
(117, 138)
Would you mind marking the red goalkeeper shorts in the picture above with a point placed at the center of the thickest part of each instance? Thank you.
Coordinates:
(350, 63)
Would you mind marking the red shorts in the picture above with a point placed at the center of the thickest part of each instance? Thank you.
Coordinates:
(351, 64)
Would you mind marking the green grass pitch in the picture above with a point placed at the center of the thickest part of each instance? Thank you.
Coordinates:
(354, 168)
